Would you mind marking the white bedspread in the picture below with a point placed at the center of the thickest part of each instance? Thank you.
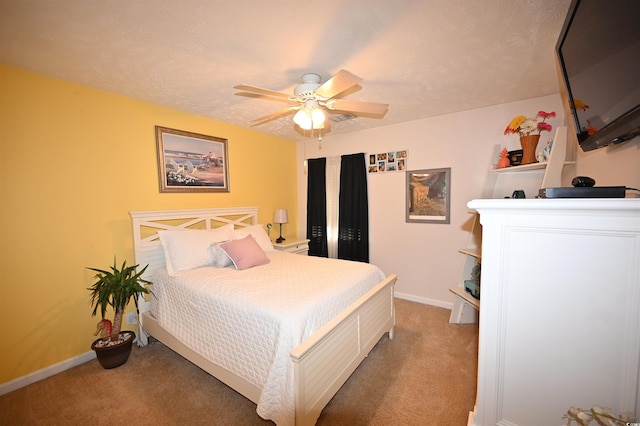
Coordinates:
(249, 321)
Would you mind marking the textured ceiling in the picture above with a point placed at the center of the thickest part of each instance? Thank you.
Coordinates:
(423, 58)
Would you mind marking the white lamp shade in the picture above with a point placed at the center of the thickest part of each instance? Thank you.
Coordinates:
(317, 118)
(280, 216)
(303, 119)
(310, 116)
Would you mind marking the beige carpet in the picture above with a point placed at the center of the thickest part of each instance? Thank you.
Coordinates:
(426, 375)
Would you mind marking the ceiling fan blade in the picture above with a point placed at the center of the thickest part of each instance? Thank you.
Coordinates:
(358, 107)
(340, 82)
(273, 115)
(261, 91)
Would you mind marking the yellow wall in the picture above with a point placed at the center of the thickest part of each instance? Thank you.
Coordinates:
(73, 162)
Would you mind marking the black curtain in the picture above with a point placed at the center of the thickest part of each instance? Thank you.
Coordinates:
(353, 217)
(317, 207)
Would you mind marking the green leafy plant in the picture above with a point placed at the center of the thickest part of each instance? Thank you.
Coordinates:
(115, 288)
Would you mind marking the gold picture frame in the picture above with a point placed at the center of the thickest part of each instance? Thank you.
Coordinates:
(191, 162)
(429, 196)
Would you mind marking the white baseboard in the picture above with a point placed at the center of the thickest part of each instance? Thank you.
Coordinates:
(52, 370)
(424, 300)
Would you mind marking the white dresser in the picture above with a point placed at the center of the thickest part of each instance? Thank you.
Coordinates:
(560, 317)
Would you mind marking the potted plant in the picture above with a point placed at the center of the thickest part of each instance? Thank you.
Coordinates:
(526, 128)
(114, 289)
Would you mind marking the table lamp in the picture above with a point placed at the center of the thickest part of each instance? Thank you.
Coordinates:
(280, 216)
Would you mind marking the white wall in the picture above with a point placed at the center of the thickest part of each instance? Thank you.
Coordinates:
(425, 256)
(616, 165)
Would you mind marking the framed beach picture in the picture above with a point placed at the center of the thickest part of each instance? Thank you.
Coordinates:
(190, 162)
(428, 195)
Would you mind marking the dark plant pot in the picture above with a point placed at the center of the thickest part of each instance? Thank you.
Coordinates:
(115, 355)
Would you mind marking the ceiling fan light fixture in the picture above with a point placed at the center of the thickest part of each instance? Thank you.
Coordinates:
(310, 116)
(302, 119)
(317, 118)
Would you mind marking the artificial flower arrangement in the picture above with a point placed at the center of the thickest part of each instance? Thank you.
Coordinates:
(526, 126)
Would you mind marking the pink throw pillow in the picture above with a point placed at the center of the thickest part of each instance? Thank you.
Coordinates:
(245, 253)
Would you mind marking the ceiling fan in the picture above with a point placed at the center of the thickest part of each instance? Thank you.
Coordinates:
(311, 97)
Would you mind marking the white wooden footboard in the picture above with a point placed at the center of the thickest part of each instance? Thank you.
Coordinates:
(324, 362)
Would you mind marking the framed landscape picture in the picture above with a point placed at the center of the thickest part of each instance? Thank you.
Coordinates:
(429, 195)
(190, 162)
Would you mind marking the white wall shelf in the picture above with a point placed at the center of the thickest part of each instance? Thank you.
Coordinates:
(474, 252)
(466, 307)
(527, 167)
(475, 303)
(550, 170)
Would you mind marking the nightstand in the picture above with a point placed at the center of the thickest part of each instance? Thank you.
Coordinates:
(293, 246)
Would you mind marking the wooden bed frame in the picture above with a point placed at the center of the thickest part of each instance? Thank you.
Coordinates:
(322, 363)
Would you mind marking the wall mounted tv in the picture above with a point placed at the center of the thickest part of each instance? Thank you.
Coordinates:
(599, 55)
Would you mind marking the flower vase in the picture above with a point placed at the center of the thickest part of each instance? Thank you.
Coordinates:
(529, 144)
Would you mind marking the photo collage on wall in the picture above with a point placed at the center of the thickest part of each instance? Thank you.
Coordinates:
(392, 161)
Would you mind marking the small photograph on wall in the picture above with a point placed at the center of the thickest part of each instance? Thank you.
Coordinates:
(428, 195)
(391, 161)
(401, 160)
(372, 167)
(190, 162)
(402, 164)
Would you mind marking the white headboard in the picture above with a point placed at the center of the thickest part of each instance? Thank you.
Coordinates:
(146, 224)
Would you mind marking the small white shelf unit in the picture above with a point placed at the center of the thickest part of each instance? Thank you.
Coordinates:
(466, 308)
(546, 174)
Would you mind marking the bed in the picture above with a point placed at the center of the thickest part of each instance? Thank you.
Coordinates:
(309, 360)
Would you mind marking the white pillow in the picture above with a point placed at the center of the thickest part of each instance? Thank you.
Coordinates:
(188, 249)
(219, 256)
(258, 233)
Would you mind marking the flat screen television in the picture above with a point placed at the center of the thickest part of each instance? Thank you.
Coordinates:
(599, 56)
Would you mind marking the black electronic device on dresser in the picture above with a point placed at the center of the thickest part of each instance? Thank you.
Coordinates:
(583, 187)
